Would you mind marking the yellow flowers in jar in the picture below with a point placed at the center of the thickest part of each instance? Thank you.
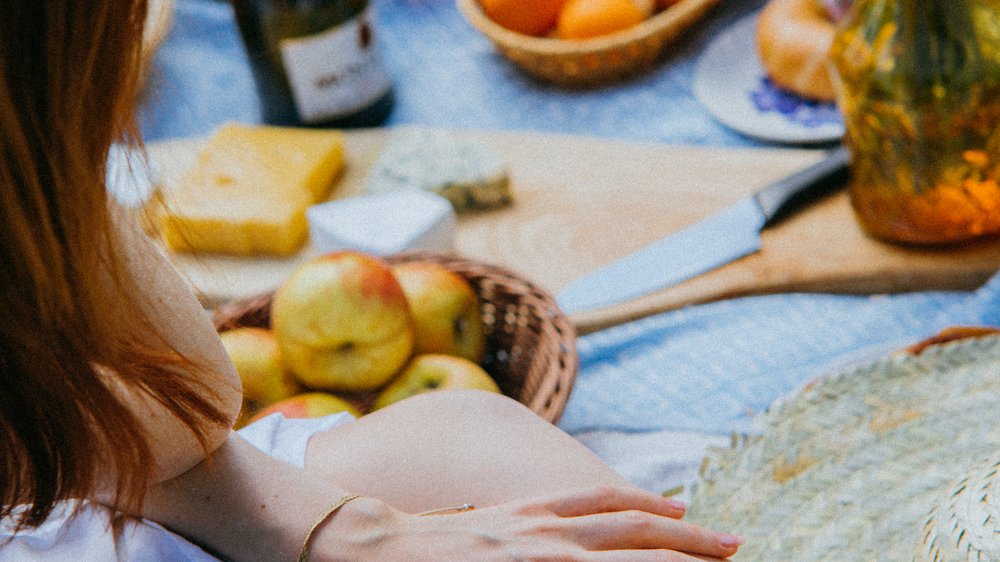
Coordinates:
(919, 88)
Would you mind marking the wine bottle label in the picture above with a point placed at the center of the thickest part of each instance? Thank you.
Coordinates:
(337, 72)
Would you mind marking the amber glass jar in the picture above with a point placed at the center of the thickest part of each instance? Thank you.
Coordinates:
(919, 89)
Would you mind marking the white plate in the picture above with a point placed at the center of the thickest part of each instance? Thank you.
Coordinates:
(731, 84)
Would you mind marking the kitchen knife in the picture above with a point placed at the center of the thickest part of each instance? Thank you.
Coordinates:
(714, 241)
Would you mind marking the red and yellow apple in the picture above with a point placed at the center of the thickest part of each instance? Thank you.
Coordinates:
(342, 322)
(445, 310)
(254, 352)
(432, 372)
(308, 405)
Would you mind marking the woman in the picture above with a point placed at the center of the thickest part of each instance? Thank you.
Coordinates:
(116, 396)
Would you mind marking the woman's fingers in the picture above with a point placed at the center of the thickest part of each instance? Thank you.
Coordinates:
(648, 556)
(623, 518)
(610, 499)
(640, 530)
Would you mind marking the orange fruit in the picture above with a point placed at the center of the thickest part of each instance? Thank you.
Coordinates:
(531, 17)
(664, 4)
(582, 19)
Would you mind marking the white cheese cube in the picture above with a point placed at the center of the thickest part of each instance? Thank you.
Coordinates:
(384, 223)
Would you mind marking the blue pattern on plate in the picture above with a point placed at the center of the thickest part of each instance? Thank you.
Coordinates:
(767, 97)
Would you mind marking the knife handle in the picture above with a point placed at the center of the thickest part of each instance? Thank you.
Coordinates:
(782, 196)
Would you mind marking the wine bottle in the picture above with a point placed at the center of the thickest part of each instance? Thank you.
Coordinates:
(315, 62)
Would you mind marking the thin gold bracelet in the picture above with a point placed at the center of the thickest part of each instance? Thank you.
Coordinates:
(304, 553)
(447, 510)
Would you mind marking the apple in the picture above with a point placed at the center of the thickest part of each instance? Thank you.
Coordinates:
(254, 352)
(342, 322)
(445, 310)
(432, 372)
(308, 405)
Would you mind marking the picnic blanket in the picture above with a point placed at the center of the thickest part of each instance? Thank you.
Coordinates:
(651, 395)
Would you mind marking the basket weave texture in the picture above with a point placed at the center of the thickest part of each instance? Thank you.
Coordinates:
(530, 347)
(850, 467)
(595, 61)
(965, 524)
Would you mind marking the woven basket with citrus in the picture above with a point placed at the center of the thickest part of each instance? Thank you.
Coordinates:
(583, 42)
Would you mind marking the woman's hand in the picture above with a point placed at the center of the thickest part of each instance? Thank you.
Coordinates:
(609, 523)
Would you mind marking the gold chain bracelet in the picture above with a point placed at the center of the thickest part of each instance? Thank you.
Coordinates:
(446, 510)
(304, 553)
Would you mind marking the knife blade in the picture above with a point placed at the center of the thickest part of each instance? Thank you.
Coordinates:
(720, 238)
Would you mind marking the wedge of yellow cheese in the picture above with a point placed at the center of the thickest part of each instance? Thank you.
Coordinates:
(248, 191)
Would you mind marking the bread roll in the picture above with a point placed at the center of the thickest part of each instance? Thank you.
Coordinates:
(793, 41)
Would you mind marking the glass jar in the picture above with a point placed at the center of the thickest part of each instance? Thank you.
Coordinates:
(919, 89)
(315, 62)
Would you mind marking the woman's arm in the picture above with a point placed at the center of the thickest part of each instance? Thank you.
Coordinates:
(238, 502)
(245, 505)
(184, 325)
(242, 504)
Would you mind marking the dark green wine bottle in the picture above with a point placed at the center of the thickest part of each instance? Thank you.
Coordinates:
(316, 62)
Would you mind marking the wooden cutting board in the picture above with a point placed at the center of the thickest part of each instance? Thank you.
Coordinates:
(582, 202)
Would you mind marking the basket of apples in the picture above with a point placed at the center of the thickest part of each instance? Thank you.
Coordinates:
(348, 331)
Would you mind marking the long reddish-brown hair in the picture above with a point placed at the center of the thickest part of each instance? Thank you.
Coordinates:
(68, 86)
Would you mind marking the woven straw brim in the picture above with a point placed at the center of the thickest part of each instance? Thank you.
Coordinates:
(530, 343)
(965, 525)
(849, 468)
(594, 61)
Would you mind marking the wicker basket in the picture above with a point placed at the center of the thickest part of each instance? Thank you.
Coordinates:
(531, 344)
(593, 61)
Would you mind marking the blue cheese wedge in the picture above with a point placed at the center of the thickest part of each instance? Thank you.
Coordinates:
(465, 172)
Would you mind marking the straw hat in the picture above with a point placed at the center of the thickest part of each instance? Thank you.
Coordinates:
(849, 467)
(965, 525)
